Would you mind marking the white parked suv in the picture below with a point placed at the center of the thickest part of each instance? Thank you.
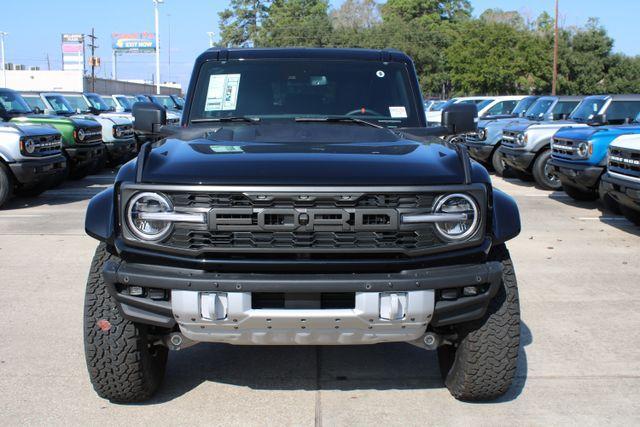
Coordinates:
(487, 106)
(30, 159)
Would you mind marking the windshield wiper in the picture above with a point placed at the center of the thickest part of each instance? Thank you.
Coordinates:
(228, 119)
(338, 120)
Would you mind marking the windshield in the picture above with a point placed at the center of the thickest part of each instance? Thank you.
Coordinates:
(110, 102)
(564, 107)
(523, 106)
(482, 104)
(141, 98)
(125, 102)
(78, 103)
(588, 109)
(178, 100)
(539, 109)
(164, 100)
(59, 104)
(378, 92)
(12, 102)
(34, 101)
(620, 112)
(97, 102)
(442, 104)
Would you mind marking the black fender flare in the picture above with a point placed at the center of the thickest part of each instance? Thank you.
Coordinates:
(100, 219)
(506, 217)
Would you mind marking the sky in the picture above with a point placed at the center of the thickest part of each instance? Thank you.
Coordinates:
(35, 28)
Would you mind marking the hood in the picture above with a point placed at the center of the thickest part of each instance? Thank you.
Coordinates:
(578, 133)
(521, 127)
(304, 154)
(84, 121)
(122, 118)
(28, 129)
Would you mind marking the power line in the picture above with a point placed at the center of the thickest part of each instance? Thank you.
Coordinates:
(93, 47)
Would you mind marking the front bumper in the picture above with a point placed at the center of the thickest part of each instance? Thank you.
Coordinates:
(80, 156)
(585, 177)
(421, 297)
(32, 172)
(479, 151)
(624, 191)
(122, 149)
(517, 158)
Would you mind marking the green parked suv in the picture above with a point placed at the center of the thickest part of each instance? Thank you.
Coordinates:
(81, 138)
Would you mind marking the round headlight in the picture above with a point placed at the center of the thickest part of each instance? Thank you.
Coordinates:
(30, 146)
(521, 138)
(145, 228)
(119, 132)
(81, 135)
(583, 150)
(482, 134)
(466, 225)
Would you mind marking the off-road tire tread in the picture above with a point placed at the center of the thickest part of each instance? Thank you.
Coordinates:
(538, 171)
(487, 353)
(496, 164)
(121, 367)
(6, 184)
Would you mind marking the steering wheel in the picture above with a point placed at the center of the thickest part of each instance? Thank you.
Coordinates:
(363, 111)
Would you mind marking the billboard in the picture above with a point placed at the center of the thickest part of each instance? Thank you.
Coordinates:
(133, 42)
(73, 52)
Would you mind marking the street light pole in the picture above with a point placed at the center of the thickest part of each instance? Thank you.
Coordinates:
(211, 34)
(4, 70)
(554, 83)
(155, 5)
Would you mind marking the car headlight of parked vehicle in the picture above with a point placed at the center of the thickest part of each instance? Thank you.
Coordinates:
(80, 135)
(482, 134)
(29, 146)
(464, 214)
(522, 138)
(584, 150)
(150, 216)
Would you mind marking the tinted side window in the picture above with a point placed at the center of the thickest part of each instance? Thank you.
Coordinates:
(504, 107)
(619, 111)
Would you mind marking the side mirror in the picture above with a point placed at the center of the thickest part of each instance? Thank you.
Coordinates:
(460, 118)
(94, 110)
(37, 110)
(148, 117)
(50, 111)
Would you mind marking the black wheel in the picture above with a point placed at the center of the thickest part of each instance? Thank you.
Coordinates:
(630, 214)
(481, 364)
(124, 363)
(544, 174)
(578, 194)
(6, 184)
(497, 162)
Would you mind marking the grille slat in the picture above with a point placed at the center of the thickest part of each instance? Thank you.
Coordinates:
(625, 161)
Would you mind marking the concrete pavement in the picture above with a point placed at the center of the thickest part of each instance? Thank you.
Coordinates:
(579, 278)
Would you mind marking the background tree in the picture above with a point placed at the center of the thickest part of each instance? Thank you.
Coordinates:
(296, 23)
(499, 16)
(356, 15)
(239, 23)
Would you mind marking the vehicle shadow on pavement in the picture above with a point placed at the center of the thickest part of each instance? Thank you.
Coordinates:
(68, 192)
(394, 366)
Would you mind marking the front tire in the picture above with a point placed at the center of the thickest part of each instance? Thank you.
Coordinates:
(543, 172)
(6, 184)
(123, 362)
(481, 364)
(497, 162)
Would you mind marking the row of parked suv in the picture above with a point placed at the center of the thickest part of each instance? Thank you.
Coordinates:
(46, 138)
(587, 146)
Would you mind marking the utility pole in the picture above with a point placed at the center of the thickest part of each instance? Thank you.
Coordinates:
(210, 34)
(554, 83)
(48, 63)
(169, 48)
(4, 69)
(157, 77)
(93, 47)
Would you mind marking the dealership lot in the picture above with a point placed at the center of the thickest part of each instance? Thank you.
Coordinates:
(579, 280)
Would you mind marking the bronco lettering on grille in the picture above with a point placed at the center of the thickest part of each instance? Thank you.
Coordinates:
(302, 219)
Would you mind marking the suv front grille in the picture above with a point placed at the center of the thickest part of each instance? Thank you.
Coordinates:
(565, 148)
(92, 135)
(46, 145)
(625, 161)
(510, 138)
(304, 223)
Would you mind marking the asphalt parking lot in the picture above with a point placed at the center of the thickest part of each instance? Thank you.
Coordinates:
(579, 276)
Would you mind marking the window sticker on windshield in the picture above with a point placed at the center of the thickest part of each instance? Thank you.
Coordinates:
(398, 112)
(226, 148)
(222, 94)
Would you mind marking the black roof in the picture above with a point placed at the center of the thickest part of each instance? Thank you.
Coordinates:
(387, 55)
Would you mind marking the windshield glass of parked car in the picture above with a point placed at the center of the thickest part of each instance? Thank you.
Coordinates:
(522, 106)
(538, 110)
(125, 102)
(78, 103)
(98, 103)
(620, 112)
(34, 102)
(110, 102)
(13, 103)
(59, 104)
(588, 109)
(164, 100)
(564, 108)
(378, 92)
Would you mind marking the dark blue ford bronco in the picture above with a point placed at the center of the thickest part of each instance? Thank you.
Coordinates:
(302, 201)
